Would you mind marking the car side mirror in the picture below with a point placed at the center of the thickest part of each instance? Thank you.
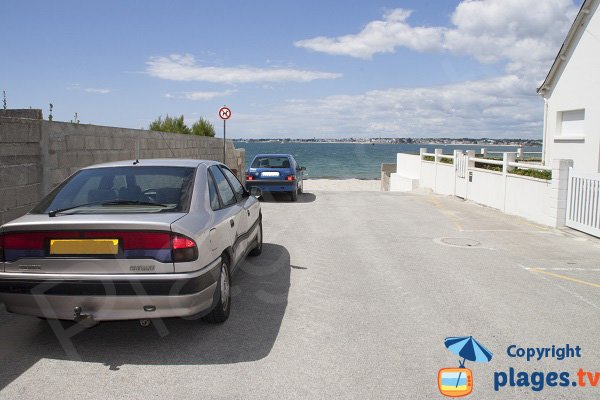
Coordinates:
(302, 168)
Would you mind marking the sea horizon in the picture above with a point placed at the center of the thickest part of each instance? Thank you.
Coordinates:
(339, 160)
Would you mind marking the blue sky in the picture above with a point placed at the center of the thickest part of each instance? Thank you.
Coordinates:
(418, 68)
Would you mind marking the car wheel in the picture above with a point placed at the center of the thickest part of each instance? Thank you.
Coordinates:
(259, 239)
(295, 194)
(220, 313)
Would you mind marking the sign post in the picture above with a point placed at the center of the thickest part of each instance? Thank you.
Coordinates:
(224, 114)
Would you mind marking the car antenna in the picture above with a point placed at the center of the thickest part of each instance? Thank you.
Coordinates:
(167, 143)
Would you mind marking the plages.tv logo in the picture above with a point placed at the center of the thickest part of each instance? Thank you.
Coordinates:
(458, 382)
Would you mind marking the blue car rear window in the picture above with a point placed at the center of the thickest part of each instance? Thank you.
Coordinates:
(271, 162)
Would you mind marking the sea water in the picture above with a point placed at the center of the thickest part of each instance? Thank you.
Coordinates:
(353, 160)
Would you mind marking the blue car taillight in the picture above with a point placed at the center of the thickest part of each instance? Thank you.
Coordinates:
(291, 178)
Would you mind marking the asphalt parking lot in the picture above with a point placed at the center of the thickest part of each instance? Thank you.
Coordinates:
(352, 298)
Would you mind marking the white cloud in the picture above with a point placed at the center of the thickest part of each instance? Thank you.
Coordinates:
(523, 36)
(207, 95)
(496, 107)
(382, 36)
(97, 90)
(77, 86)
(521, 32)
(200, 96)
(525, 33)
(184, 68)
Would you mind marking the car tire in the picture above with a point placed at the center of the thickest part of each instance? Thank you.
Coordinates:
(220, 313)
(258, 249)
(295, 194)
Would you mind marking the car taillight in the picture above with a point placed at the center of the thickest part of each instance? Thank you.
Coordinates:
(291, 178)
(160, 246)
(184, 249)
(249, 177)
(24, 244)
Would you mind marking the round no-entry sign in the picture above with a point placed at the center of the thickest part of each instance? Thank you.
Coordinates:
(224, 113)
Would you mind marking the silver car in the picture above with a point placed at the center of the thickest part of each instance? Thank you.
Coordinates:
(131, 240)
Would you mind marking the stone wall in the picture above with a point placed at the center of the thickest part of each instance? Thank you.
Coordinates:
(20, 166)
(21, 113)
(37, 155)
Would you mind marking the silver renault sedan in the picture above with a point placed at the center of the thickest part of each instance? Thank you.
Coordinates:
(131, 240)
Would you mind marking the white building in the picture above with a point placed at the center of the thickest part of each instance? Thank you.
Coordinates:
(565, 190)
(571, 94)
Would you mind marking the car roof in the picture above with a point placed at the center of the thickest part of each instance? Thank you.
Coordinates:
(156, 162)
(273, 155)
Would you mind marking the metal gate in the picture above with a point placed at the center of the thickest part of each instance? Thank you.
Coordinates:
(461, 167)
(583, 202)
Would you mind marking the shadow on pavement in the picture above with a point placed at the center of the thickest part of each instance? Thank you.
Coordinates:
(285, 198)
(260, 289)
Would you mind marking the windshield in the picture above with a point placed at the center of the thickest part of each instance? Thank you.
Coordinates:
(270, 162)
(122, 189)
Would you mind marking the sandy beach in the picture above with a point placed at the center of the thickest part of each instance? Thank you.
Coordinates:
(342, 185)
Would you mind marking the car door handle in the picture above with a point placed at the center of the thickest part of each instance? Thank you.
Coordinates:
(232, 223)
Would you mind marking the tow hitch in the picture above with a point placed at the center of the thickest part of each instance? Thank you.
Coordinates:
(83, 319)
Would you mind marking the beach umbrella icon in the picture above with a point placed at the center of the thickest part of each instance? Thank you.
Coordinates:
(469, 349)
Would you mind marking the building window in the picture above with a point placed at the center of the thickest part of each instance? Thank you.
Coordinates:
(571, 124)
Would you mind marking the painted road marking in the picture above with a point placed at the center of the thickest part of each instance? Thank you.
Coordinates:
(565, 277)
(555, 282)
(567, 269)
(449, 214)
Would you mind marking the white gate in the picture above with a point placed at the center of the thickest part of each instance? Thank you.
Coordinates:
(583, 202)
(461, 167)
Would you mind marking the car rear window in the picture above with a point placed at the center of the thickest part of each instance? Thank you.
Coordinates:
(170, 187)
(270, 162)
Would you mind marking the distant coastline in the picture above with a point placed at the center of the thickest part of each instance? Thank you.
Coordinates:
(412, 141)
(347, 160)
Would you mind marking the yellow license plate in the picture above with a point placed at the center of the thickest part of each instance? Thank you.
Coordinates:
(84, 246)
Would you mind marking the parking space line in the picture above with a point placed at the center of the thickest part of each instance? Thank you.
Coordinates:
(569, 269)
(448, 214)
(564, 277)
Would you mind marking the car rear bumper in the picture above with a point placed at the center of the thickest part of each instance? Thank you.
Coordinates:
(111, 297)
(271, 185)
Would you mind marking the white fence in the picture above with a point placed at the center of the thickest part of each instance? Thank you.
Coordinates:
(583, 202)
(465, 175)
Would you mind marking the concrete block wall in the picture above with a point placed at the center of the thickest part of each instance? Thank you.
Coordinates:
(37, 155)
(20, 167)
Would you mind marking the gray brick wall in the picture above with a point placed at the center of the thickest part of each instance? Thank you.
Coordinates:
(20, 166)
(37, 155)
(21, 113)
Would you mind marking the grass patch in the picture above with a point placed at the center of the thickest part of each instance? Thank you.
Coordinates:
(534, 173)
(444, 160)
(490, 167)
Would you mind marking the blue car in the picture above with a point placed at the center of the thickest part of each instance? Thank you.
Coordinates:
(275, 173)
